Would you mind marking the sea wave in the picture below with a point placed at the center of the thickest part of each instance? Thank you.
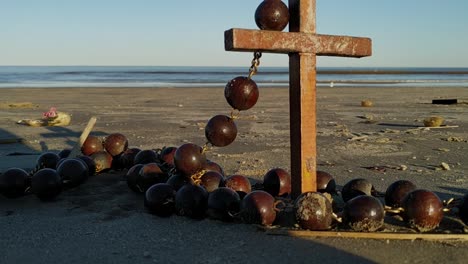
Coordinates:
(156, 76)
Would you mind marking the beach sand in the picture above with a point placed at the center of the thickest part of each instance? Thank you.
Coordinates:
(103, 221)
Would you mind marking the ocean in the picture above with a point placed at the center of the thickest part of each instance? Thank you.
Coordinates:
(165, 76)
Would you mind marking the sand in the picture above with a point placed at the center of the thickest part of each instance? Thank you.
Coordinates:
(103, 221)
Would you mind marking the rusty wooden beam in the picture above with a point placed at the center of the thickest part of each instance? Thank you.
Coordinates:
(302, 96)
(302, 100)
(289, 42)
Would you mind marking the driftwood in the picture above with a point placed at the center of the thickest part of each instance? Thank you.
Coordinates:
(61, 119)
(369, 235)
(77, 148)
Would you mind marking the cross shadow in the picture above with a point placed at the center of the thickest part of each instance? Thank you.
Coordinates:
(64, 132)
(17, 152)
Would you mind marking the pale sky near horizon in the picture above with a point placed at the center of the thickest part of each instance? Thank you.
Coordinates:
(405, 33)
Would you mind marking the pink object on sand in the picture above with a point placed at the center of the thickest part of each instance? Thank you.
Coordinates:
(51, 113)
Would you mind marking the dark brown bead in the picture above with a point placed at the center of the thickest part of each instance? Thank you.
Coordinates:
(258, 207)
(149, 175)
(178, 180)
(13, 182)
(132, 178)
(145, 156)
(213, 166)
(115, 144)
(422, 210)
(223, 204)
(364, 213)
(272, 15)
(167, 155)
(313, 211)
(189, 159)
(73, 171)
(325, 182)
(159, 199)
(46, 184)
(356, 187)
(90, 163)
(240, 184)
(47, 160)
(128, 156)
(277, 182)
(103, 160)
(397, 191)
(241, 93)
(191, 201)
(92, 144)
(212, 180)
(221, 130)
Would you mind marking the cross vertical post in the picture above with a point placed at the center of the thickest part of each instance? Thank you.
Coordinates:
(302, 103)
(303, 45)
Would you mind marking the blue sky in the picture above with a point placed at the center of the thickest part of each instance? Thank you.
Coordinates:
(430, 33)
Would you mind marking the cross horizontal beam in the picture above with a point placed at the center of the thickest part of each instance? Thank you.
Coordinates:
(292, 42)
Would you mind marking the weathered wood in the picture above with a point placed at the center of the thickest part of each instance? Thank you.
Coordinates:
(288, 42)
(89, 127)
(302, 103)
(369, 235)
(303, 45)
(302, 95)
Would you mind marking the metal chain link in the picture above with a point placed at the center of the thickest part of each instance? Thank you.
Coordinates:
(255, 63)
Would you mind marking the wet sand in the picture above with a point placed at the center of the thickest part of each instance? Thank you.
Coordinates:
(103, 221)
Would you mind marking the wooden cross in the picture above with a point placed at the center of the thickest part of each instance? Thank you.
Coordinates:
(303, 45)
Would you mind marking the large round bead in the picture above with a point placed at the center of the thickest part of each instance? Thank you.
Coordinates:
(241, 93)
(221, 130)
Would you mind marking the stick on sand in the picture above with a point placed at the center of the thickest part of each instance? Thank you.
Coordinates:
(89, 127)
(376, 235)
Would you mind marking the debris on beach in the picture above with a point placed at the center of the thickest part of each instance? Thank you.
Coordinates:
(391, 131)
(433, 121)
(49, 118)
(368, 119)
(445, 101)
(445, 166)
(384, 168)
(455, 139)
(377, 168)
(402, 167)
(367, 103)
(443, 149)
(18, 105)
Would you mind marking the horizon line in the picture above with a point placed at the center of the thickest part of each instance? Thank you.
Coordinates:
(212, 66)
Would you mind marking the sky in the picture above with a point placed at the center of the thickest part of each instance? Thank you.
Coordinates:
(405, 33)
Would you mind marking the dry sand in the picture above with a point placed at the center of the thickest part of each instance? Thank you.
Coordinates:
(103, 221)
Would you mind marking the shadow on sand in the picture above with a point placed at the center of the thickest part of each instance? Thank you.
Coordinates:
(83, 221)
